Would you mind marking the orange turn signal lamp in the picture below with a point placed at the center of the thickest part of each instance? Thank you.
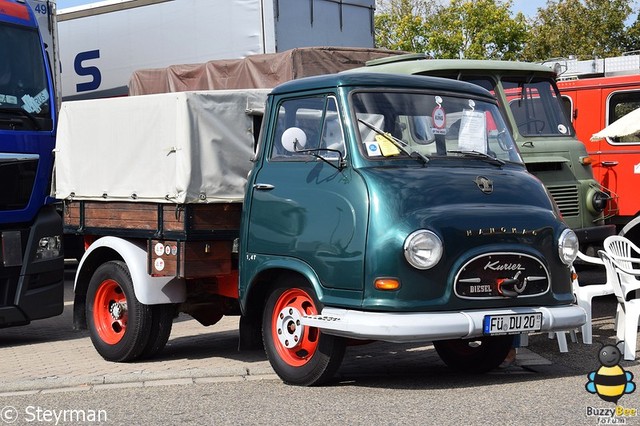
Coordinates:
(574, 276)
(586, 160)
(387, 284)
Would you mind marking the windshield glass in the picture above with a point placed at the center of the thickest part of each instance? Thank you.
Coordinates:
(23, 80)
(536, 107)
(395, 124)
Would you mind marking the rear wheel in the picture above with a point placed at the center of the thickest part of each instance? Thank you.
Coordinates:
(474, 355)
(119, 325)
(300, 355)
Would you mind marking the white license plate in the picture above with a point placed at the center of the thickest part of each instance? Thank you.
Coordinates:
(513, 323)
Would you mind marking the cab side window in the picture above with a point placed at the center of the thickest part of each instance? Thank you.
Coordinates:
(319, 120)
(620, 104)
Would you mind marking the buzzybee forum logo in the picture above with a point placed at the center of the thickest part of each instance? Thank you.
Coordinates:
(610, 382)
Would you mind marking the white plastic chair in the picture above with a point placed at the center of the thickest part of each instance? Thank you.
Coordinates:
(584, 297)
(585, 294)
(619, 257)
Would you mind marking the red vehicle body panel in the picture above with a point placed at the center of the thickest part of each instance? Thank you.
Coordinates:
(595, 103)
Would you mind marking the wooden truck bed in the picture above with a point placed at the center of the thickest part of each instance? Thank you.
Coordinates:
(184, 240)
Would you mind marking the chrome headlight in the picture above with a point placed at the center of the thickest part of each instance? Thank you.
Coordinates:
(423, 249)
(568, 246)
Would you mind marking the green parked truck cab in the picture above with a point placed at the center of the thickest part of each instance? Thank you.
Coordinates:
(397, 208)
(530, 102)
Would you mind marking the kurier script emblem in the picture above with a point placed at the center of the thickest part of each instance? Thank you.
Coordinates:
(485, 184)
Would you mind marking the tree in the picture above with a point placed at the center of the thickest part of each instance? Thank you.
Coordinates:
(401, 24)
(584, 29)
(477, 29)
(480, 29)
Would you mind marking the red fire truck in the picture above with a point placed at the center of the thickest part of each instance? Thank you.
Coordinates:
(597, 93)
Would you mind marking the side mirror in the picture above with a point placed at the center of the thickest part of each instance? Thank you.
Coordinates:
(294, 139)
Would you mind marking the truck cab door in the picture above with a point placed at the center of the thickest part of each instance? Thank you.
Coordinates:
(307, 205)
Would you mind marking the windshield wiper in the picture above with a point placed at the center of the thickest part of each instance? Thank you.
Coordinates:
(400, 144)
(19, 111)
(480, 155)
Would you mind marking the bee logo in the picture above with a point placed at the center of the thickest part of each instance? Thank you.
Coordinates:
(610, 381)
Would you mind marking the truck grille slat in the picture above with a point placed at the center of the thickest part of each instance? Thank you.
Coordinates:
(567, 199)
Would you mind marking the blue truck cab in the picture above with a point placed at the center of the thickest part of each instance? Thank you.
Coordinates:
(31, 259)
(397, 208)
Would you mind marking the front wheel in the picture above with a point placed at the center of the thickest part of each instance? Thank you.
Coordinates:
(477, 355)
(300, 355)
(119, 325)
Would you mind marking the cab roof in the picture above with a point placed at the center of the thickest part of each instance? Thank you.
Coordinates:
(419, 63)
(362, 79)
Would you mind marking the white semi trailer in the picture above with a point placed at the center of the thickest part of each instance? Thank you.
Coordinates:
(102, 43)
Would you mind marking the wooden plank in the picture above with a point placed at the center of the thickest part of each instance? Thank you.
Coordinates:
(205, 259)
(202, 217)
(218, 216)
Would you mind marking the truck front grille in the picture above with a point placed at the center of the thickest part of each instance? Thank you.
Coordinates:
(567, 199)
(17, 174)
(482, 276)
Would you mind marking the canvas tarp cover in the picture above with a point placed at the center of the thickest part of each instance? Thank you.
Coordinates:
(189, 147)
(255, 71)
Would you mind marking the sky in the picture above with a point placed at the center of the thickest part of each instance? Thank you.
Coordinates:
(528, 7)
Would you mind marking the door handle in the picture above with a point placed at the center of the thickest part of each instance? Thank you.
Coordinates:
(263, 186)
(609, 163)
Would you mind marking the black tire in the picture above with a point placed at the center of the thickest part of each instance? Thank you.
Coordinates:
(315, 357)
(474, 355)
(161, 324)
(119, 325)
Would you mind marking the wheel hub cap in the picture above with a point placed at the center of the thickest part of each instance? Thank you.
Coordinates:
(117, 310)
(290, 329)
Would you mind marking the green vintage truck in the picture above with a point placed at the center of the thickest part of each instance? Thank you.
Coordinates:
(375, 207)
(531, 104)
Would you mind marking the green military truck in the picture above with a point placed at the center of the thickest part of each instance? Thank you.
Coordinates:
(377, 207)
(530, 101)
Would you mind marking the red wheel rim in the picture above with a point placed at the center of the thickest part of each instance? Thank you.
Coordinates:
(294, 342)
(110, 312)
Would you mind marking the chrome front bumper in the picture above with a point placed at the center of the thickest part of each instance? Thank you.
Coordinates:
(430, 326)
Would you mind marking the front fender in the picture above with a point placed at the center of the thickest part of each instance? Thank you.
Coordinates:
(148, 290)
(260, 266)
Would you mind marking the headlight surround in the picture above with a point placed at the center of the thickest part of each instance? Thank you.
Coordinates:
(597, 201)
(568, 246)
(423, 249)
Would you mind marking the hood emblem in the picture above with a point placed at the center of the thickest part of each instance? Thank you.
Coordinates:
(485, 184)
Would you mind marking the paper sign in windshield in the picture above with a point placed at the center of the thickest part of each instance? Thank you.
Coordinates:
(473, 132)
(386, 146)
(33, 104)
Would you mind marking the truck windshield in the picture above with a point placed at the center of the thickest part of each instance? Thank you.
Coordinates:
(536, 107)
(396, 124)
(23, 82)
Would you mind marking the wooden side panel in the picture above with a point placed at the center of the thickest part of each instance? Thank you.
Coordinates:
(141, 216)
(202, 217)
(71, 216)
(183, 221)
(190, 259)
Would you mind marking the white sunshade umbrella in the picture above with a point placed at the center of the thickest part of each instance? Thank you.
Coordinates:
(626, 125)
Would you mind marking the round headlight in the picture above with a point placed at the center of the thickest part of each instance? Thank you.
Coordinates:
(423, 249)
(568, 246)
(598, 201)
